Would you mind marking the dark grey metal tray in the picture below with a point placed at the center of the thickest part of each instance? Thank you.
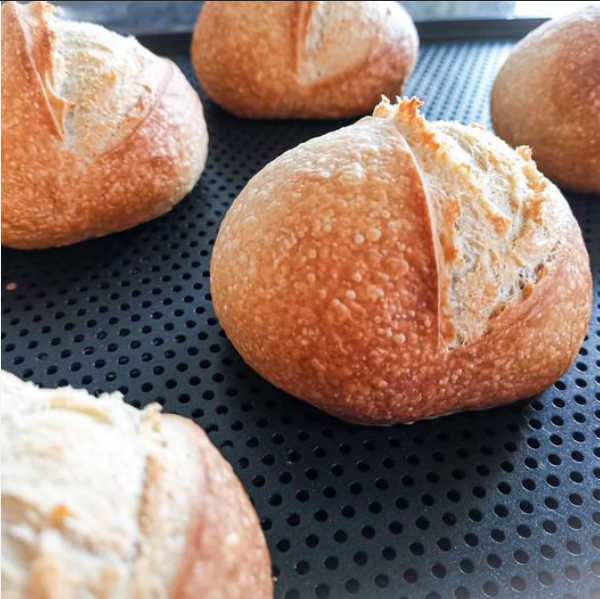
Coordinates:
(501, 503)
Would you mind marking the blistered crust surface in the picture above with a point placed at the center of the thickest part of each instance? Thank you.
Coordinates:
(337, 235)
(302, 59)
(547, 95)
(330, 278)
(97, 160)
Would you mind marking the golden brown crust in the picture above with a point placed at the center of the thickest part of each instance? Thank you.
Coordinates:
(547, 96)
(326, 278)
(256, 59)
(226, 554)
(55, 195)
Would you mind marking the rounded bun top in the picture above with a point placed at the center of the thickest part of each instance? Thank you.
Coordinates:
(98, 82)
(547, 95)
(92, 521)
(303, 59)
(473, 207)
(98, 133)
(102, 500)
(375, 269)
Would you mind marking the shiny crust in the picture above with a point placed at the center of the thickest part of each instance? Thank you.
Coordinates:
(54, 196)
(249, 55)
(327, 278)
(547, 95)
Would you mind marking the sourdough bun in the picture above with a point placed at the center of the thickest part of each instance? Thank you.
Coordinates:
(398, 269)
(98, 133)
(547, 95)
(303, 59)
(102, 500)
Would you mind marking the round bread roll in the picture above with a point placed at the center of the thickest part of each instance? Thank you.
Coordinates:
(102, 500)
(547, 95)
(398, 269)
(98, 133)
(303, 59)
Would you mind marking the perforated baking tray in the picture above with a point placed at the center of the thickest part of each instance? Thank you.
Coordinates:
(501, 503)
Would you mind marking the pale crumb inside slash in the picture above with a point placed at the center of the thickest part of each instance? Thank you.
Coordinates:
(11, 286)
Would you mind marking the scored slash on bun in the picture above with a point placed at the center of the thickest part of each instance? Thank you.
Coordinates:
(303, 59)
(398, 269)
(547, 95)
(98, 133)
(102, 500)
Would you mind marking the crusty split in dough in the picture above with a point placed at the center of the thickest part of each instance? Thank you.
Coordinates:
(102, 500)
(326, 59)
(98, 133)
(398, 269)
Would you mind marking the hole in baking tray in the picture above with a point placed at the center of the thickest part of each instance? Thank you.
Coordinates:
(490, 588)
(462, 593)
(411, 576)
(439, 570)
(332, 562)
(518, 584)
(388, 554)
(467, 566)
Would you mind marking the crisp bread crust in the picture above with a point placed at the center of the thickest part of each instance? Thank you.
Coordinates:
(226, 555)
(55, 195)
(547, 96)
(327, 277)
(290, 59)
(100, 499)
